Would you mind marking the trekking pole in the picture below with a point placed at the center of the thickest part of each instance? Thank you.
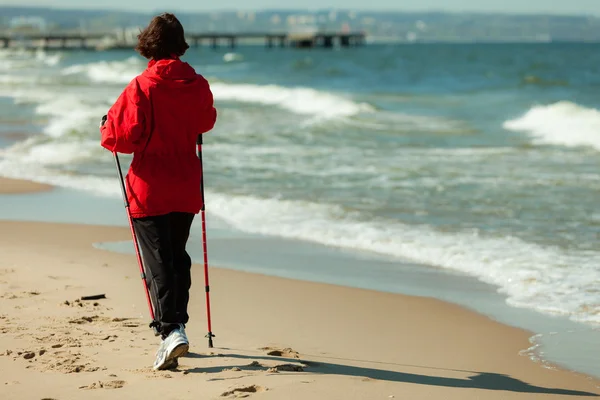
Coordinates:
(135, 243)
(207, 285)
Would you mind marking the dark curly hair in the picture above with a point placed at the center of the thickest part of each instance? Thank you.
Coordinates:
(163, 38)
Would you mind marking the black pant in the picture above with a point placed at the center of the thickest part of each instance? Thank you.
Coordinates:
(162, 240)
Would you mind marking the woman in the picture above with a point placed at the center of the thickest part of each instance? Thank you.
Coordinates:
(158, 118)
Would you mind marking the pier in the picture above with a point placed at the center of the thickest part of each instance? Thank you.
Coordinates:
(127, 40)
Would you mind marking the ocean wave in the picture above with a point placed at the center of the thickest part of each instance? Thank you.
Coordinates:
(72, 112)
(20, 68)
(563, 123)
(48, 59)
(36, 151)
(12, 58)
(16, 80)
(233, 57)
(69, 114)
(298, 100)
(108, 71)
(394, 122)
(546, 279)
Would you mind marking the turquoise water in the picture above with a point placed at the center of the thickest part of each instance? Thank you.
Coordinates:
(478, 160)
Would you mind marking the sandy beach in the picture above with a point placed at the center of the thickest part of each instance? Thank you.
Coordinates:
(13, 186)
(275, 338)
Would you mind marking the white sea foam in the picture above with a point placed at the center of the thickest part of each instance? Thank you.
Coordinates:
(232, 57)
(546, 279)
(21, 58)
(108, 71)
(563, 123)
(298, 100)
(49, 153)
(32, 57)
(14, 80)
(48, 59)
(72, 112)
(69, 113)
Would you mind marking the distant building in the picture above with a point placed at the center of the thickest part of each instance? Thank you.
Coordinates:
(28, 23)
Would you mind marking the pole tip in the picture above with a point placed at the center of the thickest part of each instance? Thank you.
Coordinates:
(210, 341)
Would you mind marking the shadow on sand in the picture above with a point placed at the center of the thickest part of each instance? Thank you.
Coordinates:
(480, 380)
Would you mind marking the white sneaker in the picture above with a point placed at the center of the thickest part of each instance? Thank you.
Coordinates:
(182, 331)
(173, 347)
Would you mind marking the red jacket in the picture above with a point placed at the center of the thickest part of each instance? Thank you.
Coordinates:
(158, 118)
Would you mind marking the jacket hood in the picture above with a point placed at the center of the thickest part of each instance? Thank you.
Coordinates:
(170, 71)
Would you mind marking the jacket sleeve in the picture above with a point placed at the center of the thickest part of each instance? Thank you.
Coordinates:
(126, 127)
(208, 114)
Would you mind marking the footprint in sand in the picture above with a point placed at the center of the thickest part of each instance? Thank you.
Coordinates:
(58, 341)
(286, 368)
(6, 271)
(234, 369)
(22, 295)
(69, 366)
(254, 364)
(5, 330)
(90, 319)
(277, 368)
(85, 320)
(9, 296)
(150, 373)
(81, 304)
(65, 362)
(104, 385)
(276, 352)
(244, 391)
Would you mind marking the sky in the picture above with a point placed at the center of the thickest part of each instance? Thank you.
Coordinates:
(577, 7)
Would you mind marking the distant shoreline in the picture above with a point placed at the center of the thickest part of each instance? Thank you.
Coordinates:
(422, 26)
